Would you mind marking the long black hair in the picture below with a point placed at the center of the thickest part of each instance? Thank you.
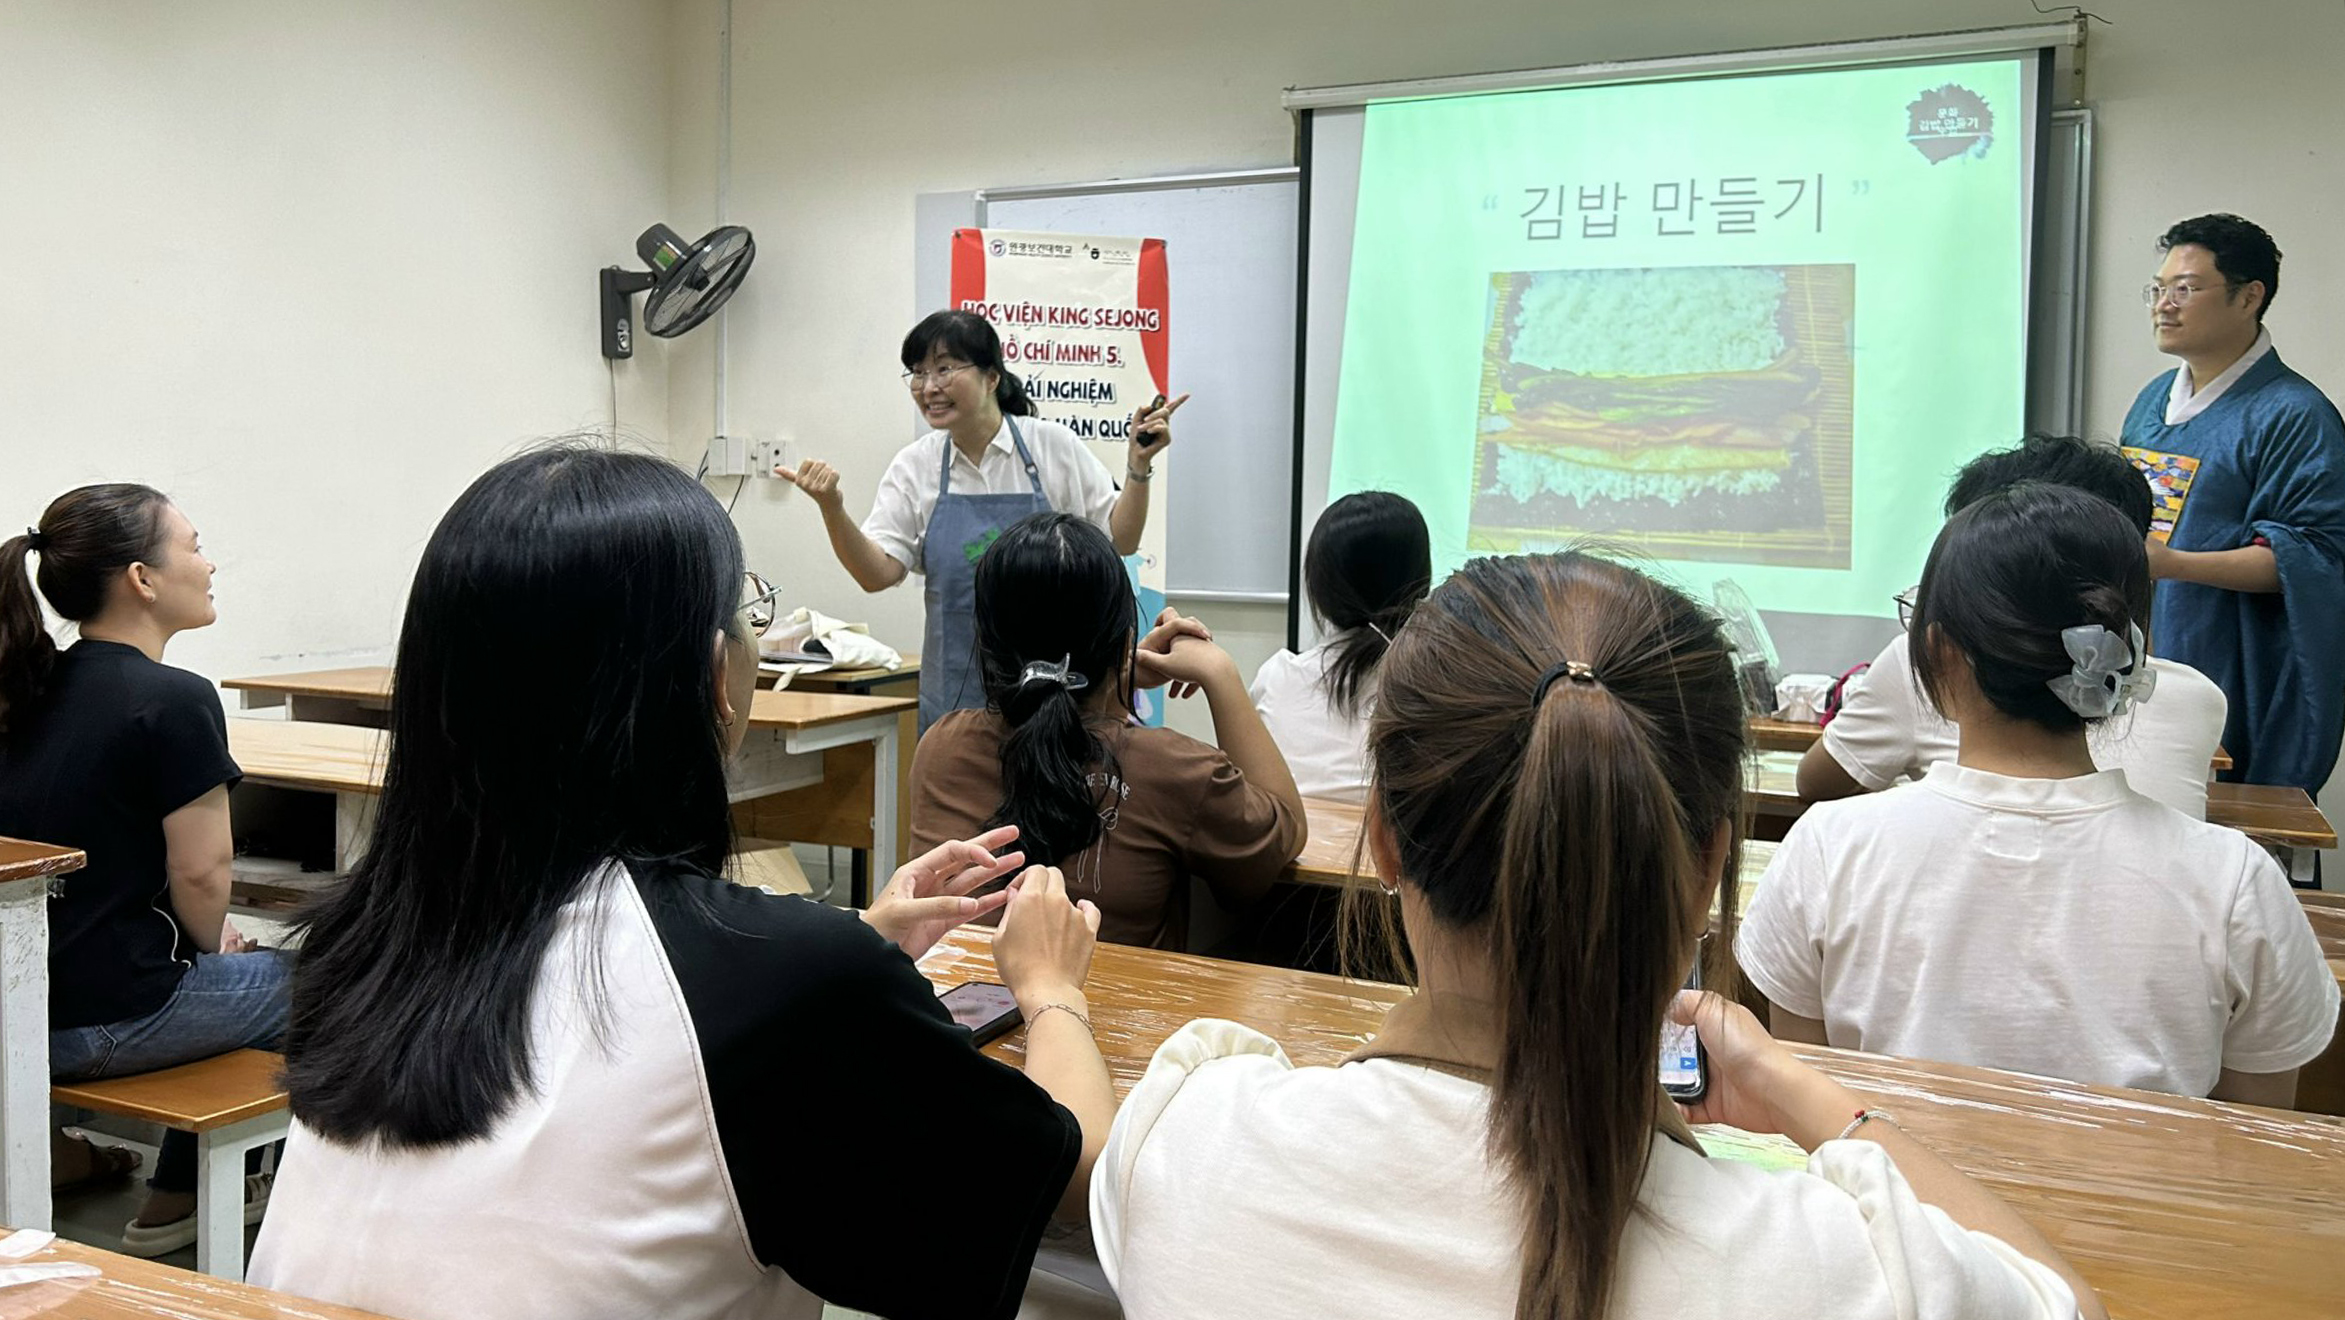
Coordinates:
(2007, 574)
(514, 773)
(85, 537)
(1368, 564)
(1053, 589)
(969, 337)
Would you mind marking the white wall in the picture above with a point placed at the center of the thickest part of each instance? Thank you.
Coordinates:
(842, 113)
(310, 268)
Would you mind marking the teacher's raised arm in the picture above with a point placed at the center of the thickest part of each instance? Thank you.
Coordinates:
(986, 462)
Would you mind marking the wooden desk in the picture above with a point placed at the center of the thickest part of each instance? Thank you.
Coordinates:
(27, 872)
(2170, 1207)
(902, 681)
(126, 1288)
(792, 734)
(788, 731)
(825, 723)
(832, 812)
(1797, 736)
(1334, 837)
(2269, 814)
(360, 695)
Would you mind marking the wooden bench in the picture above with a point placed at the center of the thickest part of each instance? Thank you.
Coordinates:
(230, 1104)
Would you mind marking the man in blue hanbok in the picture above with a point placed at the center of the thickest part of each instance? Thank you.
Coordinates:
(2247, 460)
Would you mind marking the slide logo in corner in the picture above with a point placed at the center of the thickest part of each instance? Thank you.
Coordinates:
(1948, 122)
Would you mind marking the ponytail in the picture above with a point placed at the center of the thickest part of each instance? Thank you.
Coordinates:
(1055, 618)
(1010, 394)
(27, 653)
(1046, 770)
(86, 536)
(1592, 931)
(1556, 740)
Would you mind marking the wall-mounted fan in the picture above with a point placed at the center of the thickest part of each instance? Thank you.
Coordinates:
(687, 284)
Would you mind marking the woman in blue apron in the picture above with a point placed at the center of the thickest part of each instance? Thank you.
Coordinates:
(988, 462)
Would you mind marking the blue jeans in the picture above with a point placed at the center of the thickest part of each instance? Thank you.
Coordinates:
(227, 1001)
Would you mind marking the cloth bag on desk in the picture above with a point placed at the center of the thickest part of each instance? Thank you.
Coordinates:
(803, 635)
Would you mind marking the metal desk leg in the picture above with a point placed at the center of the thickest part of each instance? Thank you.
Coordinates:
(885, 749)
(24, 1060)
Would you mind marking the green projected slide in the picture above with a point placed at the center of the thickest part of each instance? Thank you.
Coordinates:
(1746, 326)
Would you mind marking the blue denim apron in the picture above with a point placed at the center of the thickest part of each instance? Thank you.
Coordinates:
(959, 530)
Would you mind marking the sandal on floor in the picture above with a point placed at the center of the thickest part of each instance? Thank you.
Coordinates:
(148, 1241)
(108, 1164)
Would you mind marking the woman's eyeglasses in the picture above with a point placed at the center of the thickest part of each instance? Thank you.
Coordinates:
(921, 380)
(760, 603)
(1905, 602)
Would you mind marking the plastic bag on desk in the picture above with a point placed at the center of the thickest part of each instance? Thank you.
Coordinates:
(810, 638)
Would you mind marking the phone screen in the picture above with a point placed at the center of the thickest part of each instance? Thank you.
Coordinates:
(1684, 1075)
(986, 1009)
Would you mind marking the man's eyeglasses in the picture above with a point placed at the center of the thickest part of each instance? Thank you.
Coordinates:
(2154, 293)
(921, 380)
(760, 603)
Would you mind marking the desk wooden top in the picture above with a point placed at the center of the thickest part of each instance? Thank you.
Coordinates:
(1798, 735)
(1327, 854)
(193, 1097)
(339, 758)
(2267, 813)
(768, 710)
(2170, 1207)
(22, 859)
(128, 1289)
(362, 683)
(792, 710)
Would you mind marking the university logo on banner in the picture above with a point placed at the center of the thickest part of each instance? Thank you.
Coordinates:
(1082, 320)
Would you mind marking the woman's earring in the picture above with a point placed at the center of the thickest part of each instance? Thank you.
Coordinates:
(1391, 888)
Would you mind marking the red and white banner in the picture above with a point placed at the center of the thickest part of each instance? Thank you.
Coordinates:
(1082, 322)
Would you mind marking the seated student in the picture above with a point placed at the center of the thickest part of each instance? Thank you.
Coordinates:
(545, 1063)
(1130, 812)
(1886, 729)
(1368, 564)
(1558, 749)
(2018, 908)
(105, 748)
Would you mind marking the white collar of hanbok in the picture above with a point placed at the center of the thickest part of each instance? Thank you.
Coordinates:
(2183, 403)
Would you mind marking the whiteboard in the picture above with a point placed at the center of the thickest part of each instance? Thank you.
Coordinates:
(1230, 259)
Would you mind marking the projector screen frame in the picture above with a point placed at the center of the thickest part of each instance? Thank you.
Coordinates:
(2057, 47)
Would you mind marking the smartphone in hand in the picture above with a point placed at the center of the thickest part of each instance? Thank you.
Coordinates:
(1685, 1067)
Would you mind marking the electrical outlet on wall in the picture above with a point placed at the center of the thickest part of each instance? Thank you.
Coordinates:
(767, 454)
(728, 456)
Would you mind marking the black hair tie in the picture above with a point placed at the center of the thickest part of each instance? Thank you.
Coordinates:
(1571, 669)
(34, 540)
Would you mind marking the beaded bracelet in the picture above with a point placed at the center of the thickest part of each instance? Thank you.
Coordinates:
(1068, 1009)
(1864, 1116)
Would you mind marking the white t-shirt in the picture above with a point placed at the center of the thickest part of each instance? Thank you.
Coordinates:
(1887, 730)
(2067, 927)
(1235, 1184)
(1327, 753)
(1072, 477)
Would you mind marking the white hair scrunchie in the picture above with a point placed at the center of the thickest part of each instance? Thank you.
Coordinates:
(2109, 676)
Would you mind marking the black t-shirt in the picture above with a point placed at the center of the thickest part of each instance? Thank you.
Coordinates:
(118, 743)
(795, 1141)
(790, 998)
